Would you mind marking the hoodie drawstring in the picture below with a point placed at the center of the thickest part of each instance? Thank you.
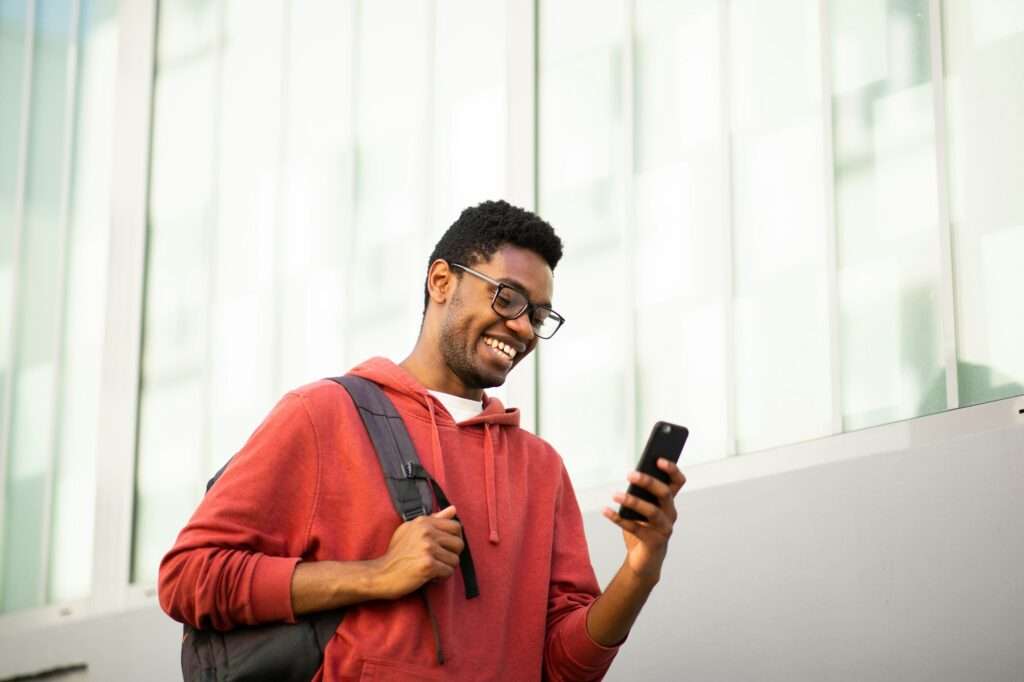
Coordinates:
(435, 445)
(492, 513)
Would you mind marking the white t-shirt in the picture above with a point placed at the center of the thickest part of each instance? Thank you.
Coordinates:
(459, 408)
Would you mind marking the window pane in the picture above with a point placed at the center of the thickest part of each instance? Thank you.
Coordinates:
(886, 212)
(85, 304)
(317, 192)
(173, 429)
(471, 108)
(984, 60)
(681, 248)
(580, 193)
(12, 53)
(36, 321)
(392, 134)
(58, 322)
(782, 365)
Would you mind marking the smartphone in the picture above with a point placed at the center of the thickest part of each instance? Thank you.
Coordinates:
(666, 440)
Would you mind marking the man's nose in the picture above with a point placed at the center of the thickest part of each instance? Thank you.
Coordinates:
(522, 328)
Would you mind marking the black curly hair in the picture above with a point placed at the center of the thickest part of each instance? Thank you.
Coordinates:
(483, 229)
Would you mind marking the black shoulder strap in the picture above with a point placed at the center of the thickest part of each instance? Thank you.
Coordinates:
(408, 482)
(410, 493)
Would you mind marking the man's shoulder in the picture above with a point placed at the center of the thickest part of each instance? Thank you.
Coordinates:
(533, 444)
(323, 395)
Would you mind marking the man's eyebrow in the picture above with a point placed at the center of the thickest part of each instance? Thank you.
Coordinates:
(521, 288)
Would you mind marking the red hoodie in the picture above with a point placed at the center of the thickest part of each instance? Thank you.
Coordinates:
(307, 486)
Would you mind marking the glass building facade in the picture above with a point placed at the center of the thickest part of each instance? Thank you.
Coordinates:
(783, 221)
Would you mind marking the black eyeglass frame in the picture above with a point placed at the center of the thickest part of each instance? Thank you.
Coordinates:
(528, 307)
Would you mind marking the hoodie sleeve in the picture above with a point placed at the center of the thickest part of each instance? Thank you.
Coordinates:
(232, 564)
(569, 652)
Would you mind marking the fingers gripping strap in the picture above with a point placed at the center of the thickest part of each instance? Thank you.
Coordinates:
(466, 557)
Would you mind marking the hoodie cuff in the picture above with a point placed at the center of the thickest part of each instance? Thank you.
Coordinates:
(579, 646)
(271, 591)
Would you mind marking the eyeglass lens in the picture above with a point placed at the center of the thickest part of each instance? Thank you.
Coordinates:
(510, 303)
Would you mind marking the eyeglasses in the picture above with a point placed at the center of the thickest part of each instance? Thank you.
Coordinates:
(511, 303)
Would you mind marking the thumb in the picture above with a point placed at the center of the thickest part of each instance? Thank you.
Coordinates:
(446, 513)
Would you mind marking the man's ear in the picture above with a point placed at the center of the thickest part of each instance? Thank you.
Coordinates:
(440, 281)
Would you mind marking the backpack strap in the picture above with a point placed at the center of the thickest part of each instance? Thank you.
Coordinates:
(412, 488)
(410, 494)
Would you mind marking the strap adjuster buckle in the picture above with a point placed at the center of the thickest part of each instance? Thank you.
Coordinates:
(415, 470)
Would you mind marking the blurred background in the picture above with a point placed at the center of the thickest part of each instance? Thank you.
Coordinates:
(784, 220)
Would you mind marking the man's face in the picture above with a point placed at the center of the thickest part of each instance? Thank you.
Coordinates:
(470, 327)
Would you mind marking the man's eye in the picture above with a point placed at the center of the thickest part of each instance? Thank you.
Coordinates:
(505, 301)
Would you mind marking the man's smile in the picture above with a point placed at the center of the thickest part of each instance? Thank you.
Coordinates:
(504, 353)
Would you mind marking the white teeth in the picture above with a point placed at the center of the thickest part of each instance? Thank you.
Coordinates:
(498, 345)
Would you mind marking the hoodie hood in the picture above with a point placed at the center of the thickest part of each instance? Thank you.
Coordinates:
(417, 399)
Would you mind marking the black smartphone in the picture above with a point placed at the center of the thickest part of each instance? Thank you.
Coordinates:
(666, 440)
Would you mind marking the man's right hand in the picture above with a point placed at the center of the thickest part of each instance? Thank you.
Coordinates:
(426, 548)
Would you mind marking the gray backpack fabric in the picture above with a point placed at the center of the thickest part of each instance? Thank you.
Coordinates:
(293, 652)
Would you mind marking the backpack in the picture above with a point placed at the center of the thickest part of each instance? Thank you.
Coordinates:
(293, 652)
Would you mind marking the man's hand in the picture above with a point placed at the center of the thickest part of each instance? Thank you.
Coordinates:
(613, 613)
(426, 548)
(647, 541)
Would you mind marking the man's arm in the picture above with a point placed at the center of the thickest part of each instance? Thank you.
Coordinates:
(613, 613)
(426, 548)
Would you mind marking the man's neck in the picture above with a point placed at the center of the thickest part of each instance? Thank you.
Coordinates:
(434, 374)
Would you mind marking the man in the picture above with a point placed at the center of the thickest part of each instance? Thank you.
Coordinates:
(301, 520)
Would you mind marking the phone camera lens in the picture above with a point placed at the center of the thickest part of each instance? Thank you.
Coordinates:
(666, 429)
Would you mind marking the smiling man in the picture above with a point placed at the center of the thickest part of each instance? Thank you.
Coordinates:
(301, 522)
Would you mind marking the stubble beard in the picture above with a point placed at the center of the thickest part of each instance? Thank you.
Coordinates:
(457, 356)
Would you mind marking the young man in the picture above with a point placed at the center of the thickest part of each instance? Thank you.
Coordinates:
(301, 520)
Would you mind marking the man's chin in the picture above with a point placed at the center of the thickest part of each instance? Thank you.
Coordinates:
(491, 378)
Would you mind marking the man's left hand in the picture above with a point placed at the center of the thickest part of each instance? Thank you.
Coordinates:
(647, 541)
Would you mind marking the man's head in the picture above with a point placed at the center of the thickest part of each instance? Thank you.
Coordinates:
(494, 242)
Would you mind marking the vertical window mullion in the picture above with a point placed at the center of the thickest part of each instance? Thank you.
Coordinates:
(521, 67)
(947, 296)
(728, 220)
(831, 234)
(349, 274)
(280, 272)
(119, 392)
(63, 246)
(212, 255)
(628, 223)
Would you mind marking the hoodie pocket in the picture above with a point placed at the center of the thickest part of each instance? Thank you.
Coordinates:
(381, 670)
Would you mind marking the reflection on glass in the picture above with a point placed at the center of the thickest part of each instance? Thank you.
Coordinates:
(984, 51)
(782, 365)
(583, 383)
(886, 212)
